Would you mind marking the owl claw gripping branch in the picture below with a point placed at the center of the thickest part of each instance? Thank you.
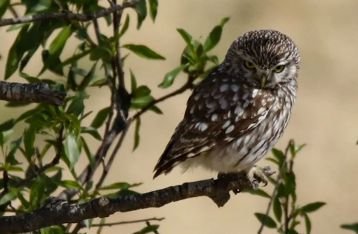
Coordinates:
(240, 110)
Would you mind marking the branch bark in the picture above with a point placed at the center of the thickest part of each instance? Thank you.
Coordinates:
(57, 211)
(36, 92)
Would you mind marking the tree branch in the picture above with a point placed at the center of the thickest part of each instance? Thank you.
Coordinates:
(36, 92)
(58, 211)
(66, 15)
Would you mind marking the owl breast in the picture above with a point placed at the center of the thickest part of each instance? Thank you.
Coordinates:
(245, 150)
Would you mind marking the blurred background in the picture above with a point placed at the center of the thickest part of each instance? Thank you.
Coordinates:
(325, 116)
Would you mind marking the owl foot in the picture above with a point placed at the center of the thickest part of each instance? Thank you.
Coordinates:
(257, 175)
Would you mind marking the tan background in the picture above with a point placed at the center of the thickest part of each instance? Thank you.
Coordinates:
(325, 116)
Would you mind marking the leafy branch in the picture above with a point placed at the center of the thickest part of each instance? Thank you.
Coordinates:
(66, 15)
(283, 201)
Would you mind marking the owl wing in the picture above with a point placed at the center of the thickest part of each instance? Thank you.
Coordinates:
(218, 111)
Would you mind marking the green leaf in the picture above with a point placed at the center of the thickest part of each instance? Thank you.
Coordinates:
(352, 227)
(141, 91)
(290, 183)
(60, 40)
(141, 97)
(185, 35)
(153, 9)
(279, 155)
(143, 51)
(92, 131)
(141, 9)
(9, 196)
(148, 229)
(70, 184)
(277, 208)
(14, 169)
(6, 130)
(89, 77)
(133, 82)
(37, 192)
(74, 58)
(266, 220)
(3, 6)
(125, 26)
(29, 140)
(308, 224)
(101, 52)
(16, 52)
(136, 133)
(52, 63)
(295, 149)
(77, 107)
(311, 207)
(14, 146)
(141, 102)
(7, 125)
(53, 230)
(260, 192)
(72, 149)
(214, 36)
(120, 186)
(101, 117)
(291, 231)
(27, 42)
(156, 110)
(170, 77)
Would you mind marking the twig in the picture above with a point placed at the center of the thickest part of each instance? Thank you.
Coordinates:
(108, 166)
(126, 222)
(58, 211)
(66, 15)
(186, 86)
(35, 92)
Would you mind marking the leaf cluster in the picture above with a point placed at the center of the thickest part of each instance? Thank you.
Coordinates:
(284, 214)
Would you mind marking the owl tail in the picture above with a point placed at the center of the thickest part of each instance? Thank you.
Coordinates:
(168, 160)
(165, 164)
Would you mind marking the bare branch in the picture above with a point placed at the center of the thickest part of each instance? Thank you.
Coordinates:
(36, 92)
(58, 211)
(65, 15)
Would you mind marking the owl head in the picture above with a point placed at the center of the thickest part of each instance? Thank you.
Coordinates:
(263, 59)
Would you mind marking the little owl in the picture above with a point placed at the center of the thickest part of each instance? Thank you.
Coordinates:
(240, 110)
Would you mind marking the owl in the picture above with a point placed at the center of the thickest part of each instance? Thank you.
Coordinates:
(240, 110)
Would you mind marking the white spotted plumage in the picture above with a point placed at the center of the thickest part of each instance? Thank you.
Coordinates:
(237, 113)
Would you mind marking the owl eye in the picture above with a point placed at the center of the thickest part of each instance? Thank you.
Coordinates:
(279, 68)
(249, 65)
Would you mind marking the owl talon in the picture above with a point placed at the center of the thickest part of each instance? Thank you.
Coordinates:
(258, 175)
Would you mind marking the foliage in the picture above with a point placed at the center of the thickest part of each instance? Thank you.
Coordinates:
(351, 227)
(53, 139)
(283, 212)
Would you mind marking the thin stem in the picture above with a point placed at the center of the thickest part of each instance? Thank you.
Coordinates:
(127, 222)
(111, 81)
(274, 192)
(186, 86)
(108, 166)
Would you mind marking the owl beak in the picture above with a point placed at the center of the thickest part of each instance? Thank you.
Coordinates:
(263, 80)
